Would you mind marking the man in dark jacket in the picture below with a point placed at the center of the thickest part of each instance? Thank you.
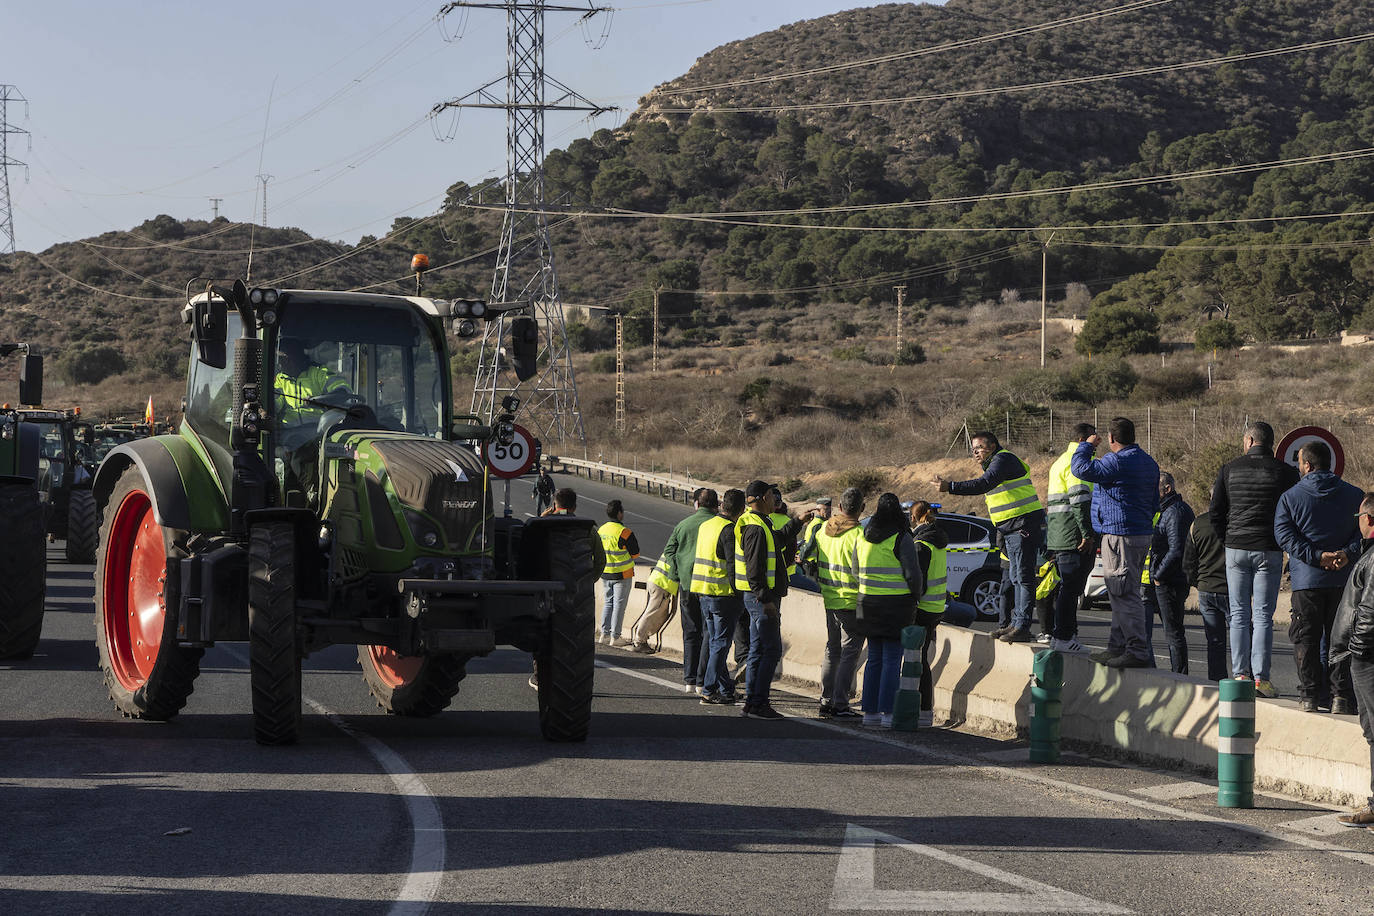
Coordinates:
(1167, 578)
(1204, 562)
(1352, 639)
(680, 553)
(1123, 510)
(1245, 498)
(761, 578)
(1015, 509)
(1315, 525)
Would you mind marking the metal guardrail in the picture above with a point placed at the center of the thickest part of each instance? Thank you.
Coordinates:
(640, 481)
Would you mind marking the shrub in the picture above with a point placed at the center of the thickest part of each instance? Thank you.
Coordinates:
(846, 354)
(1096, 382)
(602, 362)
(1218, 335)
(1119, 329)
(909, 354)
(91, 365)
(1174, 384)
(842, 328)
(869, 480)
(790, 484)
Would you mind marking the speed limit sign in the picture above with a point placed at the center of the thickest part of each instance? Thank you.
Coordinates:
(1293, 442)
(513, 460)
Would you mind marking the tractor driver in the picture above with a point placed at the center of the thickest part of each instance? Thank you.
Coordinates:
(298, 379)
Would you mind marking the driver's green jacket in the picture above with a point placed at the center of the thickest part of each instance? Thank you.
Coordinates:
(292, 392)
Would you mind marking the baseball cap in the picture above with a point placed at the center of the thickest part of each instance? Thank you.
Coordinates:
(823, 501)
(756, 489)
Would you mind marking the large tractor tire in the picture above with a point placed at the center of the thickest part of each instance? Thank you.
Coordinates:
(137, 587)
(411, 685)
(23, 570)
(565, 667)
(274, 648)
(83, 527)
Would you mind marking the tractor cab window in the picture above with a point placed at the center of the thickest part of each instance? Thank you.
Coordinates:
(210, 394)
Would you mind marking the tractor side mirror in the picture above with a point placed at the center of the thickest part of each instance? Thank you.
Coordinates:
(31, 379)
(524, 351)
(210, 330)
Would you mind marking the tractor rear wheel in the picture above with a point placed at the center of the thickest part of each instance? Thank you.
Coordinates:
(137, 583)
(23, 570)
(83, 527)
(565, 667)
(411, 685)
(273, 644)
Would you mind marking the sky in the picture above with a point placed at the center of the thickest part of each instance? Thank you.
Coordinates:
(141, 108)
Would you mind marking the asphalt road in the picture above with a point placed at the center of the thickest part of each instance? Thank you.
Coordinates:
(652, 519)
(669, 807)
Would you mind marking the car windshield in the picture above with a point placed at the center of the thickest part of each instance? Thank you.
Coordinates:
(370, 358)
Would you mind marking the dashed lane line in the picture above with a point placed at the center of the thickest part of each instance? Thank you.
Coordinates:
(1293, 838)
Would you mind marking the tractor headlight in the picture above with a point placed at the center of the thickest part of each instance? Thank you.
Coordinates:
(7, 428)
(465, 327)
(260, 296)
(425, 532)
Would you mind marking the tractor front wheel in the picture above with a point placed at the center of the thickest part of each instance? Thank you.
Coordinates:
(411, 685)
(273, 644)
(566, 665)
(23, 570)
(83, 527)
(137, 582)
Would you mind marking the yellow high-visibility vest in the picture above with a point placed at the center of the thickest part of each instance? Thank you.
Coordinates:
(933, 601)
(1012, 498)
(835, 570)
(292, 390)
(780, 521)
(748, 519)
(880, 572)
(618, 559)
(1145, 573)
(709, 573)
(662, 576)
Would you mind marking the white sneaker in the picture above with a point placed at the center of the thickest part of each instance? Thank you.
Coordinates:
(690, 688)
(886, 721)
(603, 639)
(1044, 639)
(1067, 645)
(872, 720)
(927, 718)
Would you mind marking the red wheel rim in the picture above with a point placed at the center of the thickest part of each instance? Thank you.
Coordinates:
(135, 574)
(393, 669)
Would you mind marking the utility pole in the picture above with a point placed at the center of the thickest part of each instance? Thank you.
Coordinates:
(656, 292)
(215, 202)
(9, 94)
(620, 424)
(1044, 276)
(264, 179)
(901, 300)
(525, 280)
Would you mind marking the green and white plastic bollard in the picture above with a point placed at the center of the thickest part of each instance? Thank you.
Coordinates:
(906, 713)
(1236, 743)
(1047, 684)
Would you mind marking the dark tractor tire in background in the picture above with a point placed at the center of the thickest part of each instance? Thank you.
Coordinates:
(411, 685)
(273, 644)
(23, 570)
(565, 668)
(83, 527)
(983, 590)
(136, 604)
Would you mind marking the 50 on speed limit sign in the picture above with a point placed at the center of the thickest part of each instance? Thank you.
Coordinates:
(513, 460)
(1292, 443)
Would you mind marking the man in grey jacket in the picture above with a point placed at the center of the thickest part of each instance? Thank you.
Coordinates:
(1315, 525)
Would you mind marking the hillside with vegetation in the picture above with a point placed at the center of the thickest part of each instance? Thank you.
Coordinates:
(1191, 200)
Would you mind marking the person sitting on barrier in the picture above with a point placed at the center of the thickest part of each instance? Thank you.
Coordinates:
(1352, 639)
(890, 583)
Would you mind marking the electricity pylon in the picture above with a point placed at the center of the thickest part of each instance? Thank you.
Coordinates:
(525, 280)
(8, 94)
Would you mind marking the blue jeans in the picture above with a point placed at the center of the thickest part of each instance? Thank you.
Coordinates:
(696, 641)
(1023, 549)
(720, 613)
(882, 675)
(765, 649)
(613, 608)
(1212, 606)
(1252, 581)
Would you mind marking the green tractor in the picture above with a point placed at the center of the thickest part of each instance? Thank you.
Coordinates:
(23, 550)
(66, 469)
(320, 491)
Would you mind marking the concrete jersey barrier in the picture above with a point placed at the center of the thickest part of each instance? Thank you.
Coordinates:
(1147, 715)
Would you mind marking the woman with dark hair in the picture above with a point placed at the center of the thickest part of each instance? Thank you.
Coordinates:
(890, 582)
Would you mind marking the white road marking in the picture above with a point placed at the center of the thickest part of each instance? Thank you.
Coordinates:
(427, 846)
(1173, 791)
(1322, 825)
(855, 890)
(1030, 774)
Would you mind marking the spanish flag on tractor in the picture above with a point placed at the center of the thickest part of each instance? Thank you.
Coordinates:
(148, 413)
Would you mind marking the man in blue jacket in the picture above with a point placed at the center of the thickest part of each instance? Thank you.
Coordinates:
(1315, 525)
(1123, 510)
